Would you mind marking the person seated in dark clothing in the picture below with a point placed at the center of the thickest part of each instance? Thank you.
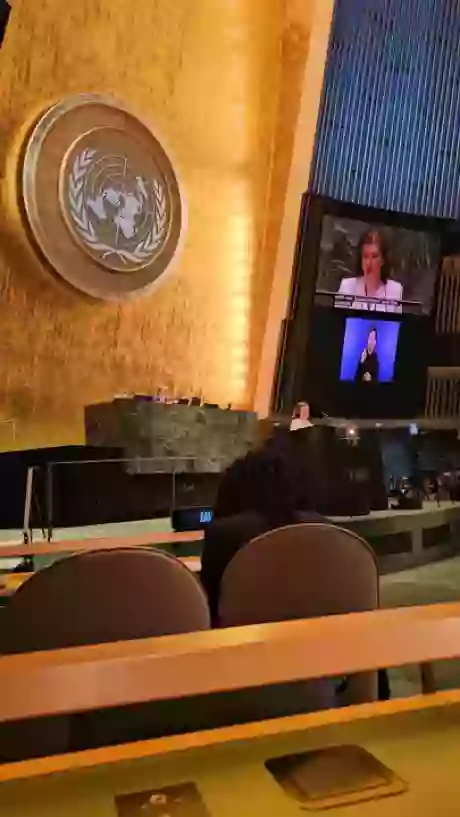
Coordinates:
(369, 367)
(264, 490)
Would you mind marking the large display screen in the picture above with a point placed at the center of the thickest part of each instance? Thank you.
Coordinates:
(360, 366)
(376, 267)
(356, 341)
(369, 351)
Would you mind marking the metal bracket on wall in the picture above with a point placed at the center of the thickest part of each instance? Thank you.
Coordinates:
(26, 527)
(31, 505)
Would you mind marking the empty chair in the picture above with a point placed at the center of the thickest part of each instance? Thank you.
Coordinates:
(106, 595)
(91, 598)
(302, 571)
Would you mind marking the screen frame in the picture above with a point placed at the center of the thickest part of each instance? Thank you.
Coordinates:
(399, 398)
(295, 330)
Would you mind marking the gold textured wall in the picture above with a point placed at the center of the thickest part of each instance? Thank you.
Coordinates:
(304, 54)
(207, 74)
(295, 42)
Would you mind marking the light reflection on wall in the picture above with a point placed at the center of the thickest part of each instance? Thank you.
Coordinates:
(238, 268)
(238, 260)
(228, 157)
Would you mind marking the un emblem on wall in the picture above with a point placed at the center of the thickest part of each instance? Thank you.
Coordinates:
(101, 197)
(119, 216)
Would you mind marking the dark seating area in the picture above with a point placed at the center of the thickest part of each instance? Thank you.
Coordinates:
(88, 485)
(268, 557)
(110, 596)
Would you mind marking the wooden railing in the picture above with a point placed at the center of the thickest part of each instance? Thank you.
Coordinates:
(56, 548)
(87, 678)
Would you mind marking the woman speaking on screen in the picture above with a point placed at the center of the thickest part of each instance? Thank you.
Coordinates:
(368, 366)
(372, 277)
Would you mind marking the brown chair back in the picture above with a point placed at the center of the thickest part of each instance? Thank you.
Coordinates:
(302, 571)
(107, 595)
(93, 598)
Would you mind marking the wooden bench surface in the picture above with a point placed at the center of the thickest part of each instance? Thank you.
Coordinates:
(108, 675)
(153, 539)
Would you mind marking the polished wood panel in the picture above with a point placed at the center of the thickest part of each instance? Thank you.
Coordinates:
(371, 715)
(107, 675)
(154, 539)
(11, 582)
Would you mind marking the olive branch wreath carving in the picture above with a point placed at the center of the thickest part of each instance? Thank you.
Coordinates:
(85, 228)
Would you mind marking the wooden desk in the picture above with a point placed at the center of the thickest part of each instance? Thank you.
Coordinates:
(110, 675)
(417, 738)
(154, 539)
(11, 582)
(401, 539)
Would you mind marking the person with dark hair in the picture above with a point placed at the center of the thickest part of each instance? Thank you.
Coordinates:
(301, 417)
(368, 369)
(264, 490)
(372, 280)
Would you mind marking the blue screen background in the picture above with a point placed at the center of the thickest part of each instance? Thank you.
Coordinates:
(355, 340)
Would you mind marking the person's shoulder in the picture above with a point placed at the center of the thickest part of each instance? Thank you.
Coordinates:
(247, 523)
(297, 424)
(348, 286)
(394, 290)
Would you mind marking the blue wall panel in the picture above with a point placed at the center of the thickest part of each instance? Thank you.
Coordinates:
(389, 126)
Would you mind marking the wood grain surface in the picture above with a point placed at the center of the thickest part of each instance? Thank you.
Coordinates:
(108, 675)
